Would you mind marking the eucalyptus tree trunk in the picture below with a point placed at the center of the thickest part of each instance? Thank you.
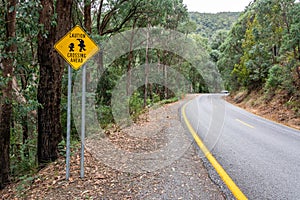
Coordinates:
(130, 60)
(87, 16)
(146, 67)
(51, 72)
(6, 90)
(88, 28)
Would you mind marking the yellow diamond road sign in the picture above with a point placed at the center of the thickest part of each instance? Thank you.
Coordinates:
(76, 47)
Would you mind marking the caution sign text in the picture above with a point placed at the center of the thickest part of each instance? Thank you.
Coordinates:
(76, 47)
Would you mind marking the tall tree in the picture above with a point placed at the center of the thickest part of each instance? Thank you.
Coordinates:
(231, 52)
(87, 16)
(264, 53)
(55, 16)
(146, 67)
(114, 15)
(6, 100)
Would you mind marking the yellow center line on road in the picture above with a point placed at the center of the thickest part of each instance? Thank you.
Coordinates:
(244, 123)
(237, 193)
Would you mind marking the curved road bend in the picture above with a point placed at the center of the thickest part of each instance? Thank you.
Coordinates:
(261, 157)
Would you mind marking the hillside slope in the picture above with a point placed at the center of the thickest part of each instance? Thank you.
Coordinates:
(277, 108)
(209, 23)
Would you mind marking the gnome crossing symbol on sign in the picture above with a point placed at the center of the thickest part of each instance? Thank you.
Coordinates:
(76, 47)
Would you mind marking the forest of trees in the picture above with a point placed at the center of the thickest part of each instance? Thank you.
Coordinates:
(262, 51)
(258, 49)
(33, 75)
(209, 23)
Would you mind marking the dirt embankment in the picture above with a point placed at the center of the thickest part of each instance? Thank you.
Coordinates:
(277, 108)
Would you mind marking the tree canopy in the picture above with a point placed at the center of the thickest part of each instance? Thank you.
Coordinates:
(33, 75)
(257, 49)
(263, 46)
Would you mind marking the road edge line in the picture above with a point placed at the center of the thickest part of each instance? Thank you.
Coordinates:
(244, 123)
(237, 193)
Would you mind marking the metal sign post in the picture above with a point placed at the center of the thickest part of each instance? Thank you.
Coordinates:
(83, 120)
(76, 47)
(68, 123)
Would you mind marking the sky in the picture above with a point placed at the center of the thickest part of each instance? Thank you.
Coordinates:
(214, 6)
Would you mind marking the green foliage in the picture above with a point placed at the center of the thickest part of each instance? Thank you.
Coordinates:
(218, 38)
(280, 78)
(214, 55)
(187, 27)
(105, 115)
(208, 23)
(23, 137)
(275, 78)
(22, 157)
(136, 105)
(116, 71)
(74, 146)
(115, 16)
(171, 100)
(261, 48)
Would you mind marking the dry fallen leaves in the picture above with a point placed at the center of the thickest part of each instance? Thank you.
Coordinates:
(186, 178)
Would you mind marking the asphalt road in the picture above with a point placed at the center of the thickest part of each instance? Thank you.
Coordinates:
(261, 157)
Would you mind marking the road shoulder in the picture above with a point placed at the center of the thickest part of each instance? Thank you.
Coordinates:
(184, 178)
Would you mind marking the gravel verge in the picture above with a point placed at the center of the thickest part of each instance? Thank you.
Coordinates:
(153, 159)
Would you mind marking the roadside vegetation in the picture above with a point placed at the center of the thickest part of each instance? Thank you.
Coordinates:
(257, 53)
(33, 76)
(260, 58)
